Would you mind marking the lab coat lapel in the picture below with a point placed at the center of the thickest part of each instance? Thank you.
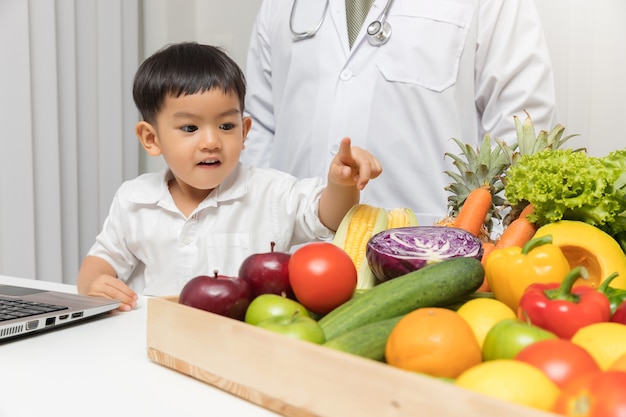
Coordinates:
(338, 17)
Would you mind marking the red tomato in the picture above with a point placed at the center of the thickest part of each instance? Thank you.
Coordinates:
(560, 359)
(322, 276)
(600, 394)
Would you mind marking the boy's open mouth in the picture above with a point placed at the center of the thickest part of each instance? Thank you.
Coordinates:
(211, 162)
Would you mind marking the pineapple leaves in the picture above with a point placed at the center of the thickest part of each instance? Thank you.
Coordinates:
(529, 143)
(477, 167)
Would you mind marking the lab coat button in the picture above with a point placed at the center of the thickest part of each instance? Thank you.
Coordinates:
(186, 240)
(346, 75)
(334, 149)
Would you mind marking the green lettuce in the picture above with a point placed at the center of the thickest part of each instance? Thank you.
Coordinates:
(564, 184)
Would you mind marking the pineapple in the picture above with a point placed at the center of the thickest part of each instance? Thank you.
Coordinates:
(487, 165)
(480, 167)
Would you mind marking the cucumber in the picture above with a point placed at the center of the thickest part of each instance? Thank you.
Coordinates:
(436, 285)
(366, 341)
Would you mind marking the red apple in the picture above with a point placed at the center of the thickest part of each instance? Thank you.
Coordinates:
(267, 273)
(219, 294)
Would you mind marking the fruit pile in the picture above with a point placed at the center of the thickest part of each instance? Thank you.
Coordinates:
(535, 315)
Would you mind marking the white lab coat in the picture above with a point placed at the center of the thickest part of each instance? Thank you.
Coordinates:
(451, 68)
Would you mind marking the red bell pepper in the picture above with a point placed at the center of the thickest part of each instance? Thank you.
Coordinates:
(562, 308)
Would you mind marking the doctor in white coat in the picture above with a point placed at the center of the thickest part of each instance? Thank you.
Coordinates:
(432, 70)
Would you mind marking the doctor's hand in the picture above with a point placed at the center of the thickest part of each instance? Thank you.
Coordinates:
(353, 166)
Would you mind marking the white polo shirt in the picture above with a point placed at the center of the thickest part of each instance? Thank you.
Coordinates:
(156, 249)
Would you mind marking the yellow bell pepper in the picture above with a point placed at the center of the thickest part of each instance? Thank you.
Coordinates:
(509, 271)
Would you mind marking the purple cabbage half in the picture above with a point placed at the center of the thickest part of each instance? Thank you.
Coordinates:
(401, 250)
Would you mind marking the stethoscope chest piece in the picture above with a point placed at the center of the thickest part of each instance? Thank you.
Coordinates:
(378, 33)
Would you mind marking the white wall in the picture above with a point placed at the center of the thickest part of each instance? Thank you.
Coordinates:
(66, 117)
(587, 41)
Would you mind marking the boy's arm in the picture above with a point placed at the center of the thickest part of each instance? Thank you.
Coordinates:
(97, 278)
(349, 173)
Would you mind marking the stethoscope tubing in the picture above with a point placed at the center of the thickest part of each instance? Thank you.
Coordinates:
(300, 36)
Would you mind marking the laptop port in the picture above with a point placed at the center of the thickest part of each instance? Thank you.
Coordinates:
(50, 321)
(77, 314)
(64, 316)
(32, 325)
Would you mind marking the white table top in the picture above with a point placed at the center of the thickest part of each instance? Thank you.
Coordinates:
(101, 368)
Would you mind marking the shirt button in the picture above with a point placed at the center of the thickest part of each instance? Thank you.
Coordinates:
(334, 149)
(346, 75)
(187, 240)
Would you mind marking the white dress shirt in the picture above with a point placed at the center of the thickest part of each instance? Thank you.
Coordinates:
(156, 249)
(451, 69)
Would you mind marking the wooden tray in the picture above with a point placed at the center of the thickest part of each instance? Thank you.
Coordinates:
(295, 378)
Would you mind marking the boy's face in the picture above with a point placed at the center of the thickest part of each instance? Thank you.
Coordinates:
(201, 137)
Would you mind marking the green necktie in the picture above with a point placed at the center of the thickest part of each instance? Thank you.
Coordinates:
(356, 11)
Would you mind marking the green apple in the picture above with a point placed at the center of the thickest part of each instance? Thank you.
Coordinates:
(296, 327)
(265, 306)
(509, 336)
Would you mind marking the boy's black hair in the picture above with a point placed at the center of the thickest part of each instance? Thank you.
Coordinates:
(182, 69)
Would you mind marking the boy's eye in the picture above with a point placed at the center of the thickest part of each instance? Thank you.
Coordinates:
(189, 128)
(227, 126)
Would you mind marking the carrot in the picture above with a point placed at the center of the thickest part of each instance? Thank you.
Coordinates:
(474, 210)
(526, 211)
(488, 247)
(517, 233)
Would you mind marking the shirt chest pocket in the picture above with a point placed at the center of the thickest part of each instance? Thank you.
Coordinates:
(226, 251)
(426, 43)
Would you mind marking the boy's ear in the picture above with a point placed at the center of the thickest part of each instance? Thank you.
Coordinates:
(148, 138)
(246, 124)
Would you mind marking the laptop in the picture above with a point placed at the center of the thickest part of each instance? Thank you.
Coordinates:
(25, 310)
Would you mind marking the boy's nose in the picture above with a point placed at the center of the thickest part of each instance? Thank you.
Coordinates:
(210, 140)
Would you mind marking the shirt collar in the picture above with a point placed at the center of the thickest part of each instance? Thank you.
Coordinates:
(155, 189)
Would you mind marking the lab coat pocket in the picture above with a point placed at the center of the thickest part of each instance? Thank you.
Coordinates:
(226, 252)
(426, 43)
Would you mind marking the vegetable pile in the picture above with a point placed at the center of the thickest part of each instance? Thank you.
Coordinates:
(545, 297)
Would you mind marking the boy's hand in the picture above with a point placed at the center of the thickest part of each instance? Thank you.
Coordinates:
(106, 286)
(353, 166)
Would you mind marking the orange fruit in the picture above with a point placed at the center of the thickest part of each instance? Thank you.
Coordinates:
(433, 341)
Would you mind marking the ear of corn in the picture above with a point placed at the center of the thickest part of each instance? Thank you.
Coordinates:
(401, 217)
(359, 225)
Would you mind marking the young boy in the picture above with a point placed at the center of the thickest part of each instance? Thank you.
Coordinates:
(206, 211)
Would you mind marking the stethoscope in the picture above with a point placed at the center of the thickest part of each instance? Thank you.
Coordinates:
(378, 32)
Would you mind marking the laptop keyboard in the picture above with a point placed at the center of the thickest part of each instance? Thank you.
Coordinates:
(12, 309)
